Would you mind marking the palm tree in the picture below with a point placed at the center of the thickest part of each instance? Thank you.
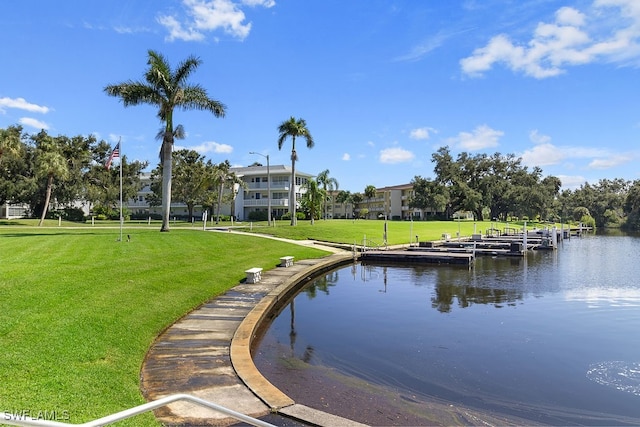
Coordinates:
(343, 198)
(369, 192)
(50, 164)
(328, 184)
(10, 140)
(357, 198)
(167, 89)
(313, 197)
(293, 128)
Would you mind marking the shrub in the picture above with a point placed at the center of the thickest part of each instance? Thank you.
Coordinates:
(258, 216)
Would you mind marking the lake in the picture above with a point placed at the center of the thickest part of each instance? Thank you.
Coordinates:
(552, 338)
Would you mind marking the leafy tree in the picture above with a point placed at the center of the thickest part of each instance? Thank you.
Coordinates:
(167, 89)
(427, 194)
(605, 200)
(328, 184)
(357, 198)
(189, 178)
(632, 207)
(103, 185)
(293, 128)
(16, 166)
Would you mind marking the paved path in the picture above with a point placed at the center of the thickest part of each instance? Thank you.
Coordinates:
(206, 354)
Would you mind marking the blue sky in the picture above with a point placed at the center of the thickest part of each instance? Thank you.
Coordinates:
(382, 84)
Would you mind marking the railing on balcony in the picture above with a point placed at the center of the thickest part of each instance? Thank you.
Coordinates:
(265, 185)
(275, 203)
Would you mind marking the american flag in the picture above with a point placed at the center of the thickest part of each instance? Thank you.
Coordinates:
(115, 153)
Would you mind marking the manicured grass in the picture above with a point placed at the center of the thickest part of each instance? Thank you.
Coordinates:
(398, 232)
(80, 310)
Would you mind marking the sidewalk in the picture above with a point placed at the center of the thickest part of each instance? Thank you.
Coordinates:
(195, 355)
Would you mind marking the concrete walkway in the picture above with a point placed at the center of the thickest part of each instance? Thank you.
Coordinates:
(207, 353)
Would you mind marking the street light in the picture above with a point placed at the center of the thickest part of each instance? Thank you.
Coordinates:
(268, 186)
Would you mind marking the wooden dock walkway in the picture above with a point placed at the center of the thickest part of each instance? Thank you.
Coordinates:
(422, 256)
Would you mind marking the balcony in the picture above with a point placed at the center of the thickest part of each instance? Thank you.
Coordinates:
(275, 203)
(265, 185)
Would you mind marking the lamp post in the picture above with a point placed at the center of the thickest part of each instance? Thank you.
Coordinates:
(268, 186)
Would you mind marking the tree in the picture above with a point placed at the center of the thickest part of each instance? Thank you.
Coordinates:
(10, 140)
(357, 198)
(328, 184)
(102, 186)
(189, 178)
(369, 192)
(343, 198)
(167, 89)
(293, 128)
(16, 172)
(427, 194)
(223, 177)
(312, 199)
(50, 164)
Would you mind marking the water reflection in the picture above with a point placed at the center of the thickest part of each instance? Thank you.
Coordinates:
(553, 333)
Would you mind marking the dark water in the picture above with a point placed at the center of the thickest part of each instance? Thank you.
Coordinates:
(553, 338)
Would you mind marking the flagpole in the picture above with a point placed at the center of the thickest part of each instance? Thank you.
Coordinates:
(121, 217)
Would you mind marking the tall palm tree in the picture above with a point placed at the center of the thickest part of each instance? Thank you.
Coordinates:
(167, 89)
(328, 184)
(293, 128)
(50, 164)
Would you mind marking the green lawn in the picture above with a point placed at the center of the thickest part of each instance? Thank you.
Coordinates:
(80, 310)
(398, 232)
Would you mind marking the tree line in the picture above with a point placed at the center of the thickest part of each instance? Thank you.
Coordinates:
(499, 187)
(39, 170)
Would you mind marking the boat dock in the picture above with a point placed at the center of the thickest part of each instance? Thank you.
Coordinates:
(463, 250)
(421, 256)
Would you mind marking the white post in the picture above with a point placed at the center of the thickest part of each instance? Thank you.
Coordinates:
(120, 155)
(411, 232)
(524, 237)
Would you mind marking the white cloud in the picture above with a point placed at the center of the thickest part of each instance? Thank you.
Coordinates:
(346, 157)
(207, 16)
(212, 147)
(538, 138)
(610, 162)
(34, 123)
(264, 3)
(572, 181)
(481, 137)
(608, 32)
(543, 154)
(395, 155)
(421, 133)
(176, 32)
(22, 104)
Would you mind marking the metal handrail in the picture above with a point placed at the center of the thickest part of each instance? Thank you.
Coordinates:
(18, 420)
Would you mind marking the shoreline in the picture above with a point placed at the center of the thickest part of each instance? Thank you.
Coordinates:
(327, 390)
